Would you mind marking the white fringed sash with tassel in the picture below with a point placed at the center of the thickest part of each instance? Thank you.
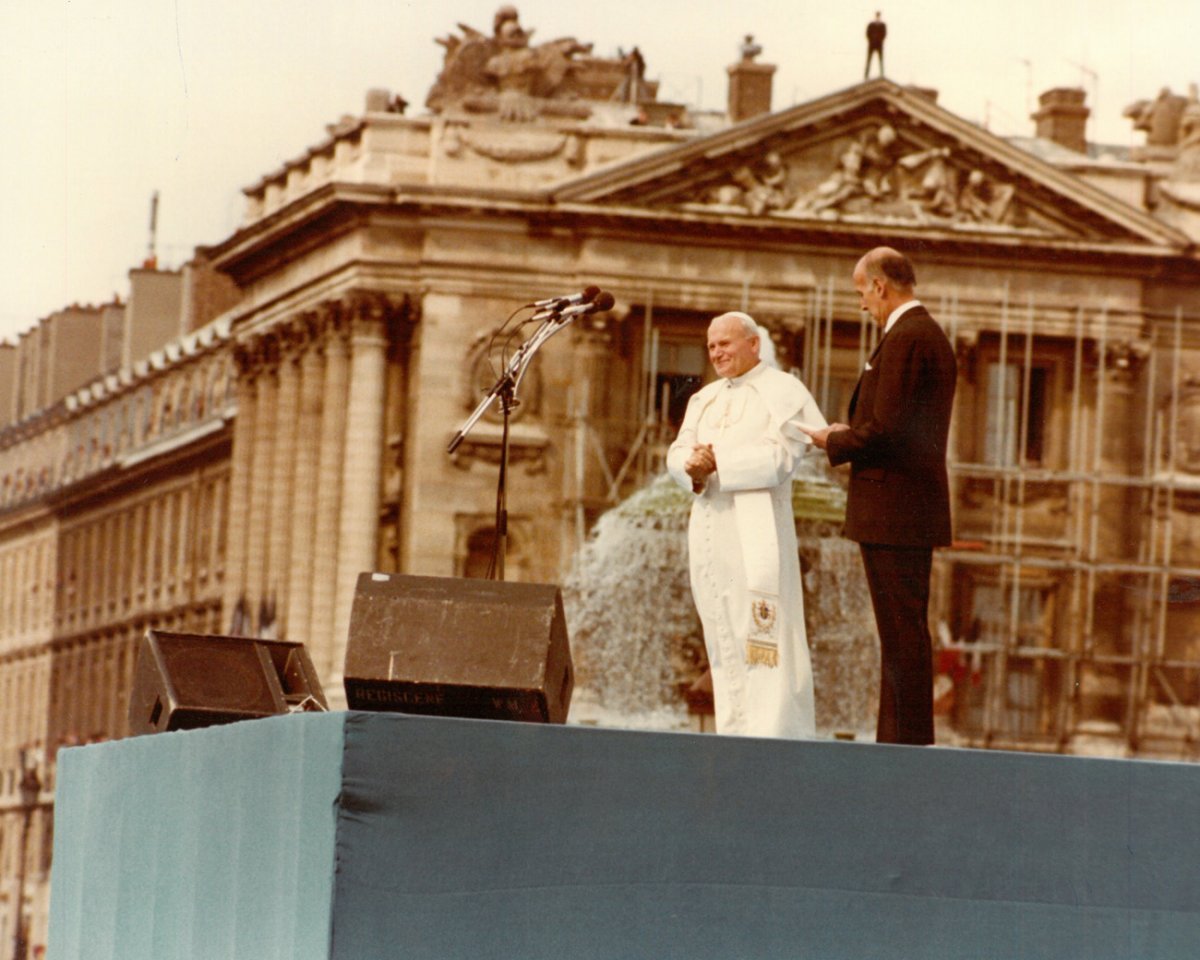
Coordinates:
(760, 555)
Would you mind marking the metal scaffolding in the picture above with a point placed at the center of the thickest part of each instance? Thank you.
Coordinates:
(1079, 639)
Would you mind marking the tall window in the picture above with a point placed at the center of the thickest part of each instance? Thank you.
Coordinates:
(1015, 429)
(1028, 684)
(992, 612)
(477, 563)
(679, 374)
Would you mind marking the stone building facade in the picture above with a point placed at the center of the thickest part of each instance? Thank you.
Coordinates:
(114, 459)
(238, 441)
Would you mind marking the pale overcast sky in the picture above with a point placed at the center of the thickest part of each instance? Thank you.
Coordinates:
(106, 101)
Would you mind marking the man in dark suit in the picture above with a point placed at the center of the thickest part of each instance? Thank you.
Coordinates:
(898, 508)
(876, 34)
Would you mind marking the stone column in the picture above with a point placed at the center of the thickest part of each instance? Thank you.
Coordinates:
(361, 473)
(282, 477)
(591, 388)
(266, 403)
(239, 486)
(304, 509)
(323, 649)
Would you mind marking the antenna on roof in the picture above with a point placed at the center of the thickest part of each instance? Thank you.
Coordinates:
(151, 261)
(1028, 85)
(1088, 72)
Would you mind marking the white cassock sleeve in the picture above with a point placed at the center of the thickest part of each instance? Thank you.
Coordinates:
(681, 449)
(771, 460)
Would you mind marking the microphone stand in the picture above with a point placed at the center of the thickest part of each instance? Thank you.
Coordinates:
(505, 388)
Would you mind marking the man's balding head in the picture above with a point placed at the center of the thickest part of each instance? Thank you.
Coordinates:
(884, 279)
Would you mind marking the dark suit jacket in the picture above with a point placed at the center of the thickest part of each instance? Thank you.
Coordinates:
(896, 444)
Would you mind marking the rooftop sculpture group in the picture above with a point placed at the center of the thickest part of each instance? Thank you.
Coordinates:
(1180, 192)
(504, 74)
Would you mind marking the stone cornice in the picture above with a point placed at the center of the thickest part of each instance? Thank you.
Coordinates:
(305, 222)
(256, 250)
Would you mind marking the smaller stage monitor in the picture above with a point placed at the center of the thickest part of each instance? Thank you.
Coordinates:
(187, 680)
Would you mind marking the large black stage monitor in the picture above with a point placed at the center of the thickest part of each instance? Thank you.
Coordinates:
(457, 647)
(187, 680)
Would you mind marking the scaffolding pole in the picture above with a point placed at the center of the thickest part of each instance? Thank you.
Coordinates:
(1050, 631)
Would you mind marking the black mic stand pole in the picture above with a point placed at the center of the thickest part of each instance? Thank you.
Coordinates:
(508, 401)
(505, 388)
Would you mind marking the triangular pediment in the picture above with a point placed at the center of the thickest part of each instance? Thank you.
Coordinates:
(873, 155)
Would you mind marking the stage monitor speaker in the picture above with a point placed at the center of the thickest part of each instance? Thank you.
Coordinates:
(185, 680)
(458, 648)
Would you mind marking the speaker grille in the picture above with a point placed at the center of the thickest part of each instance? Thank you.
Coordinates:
(186, 680)
(217, 673)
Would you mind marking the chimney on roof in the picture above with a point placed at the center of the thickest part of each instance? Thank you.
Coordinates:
(1062, 117)
(749, 84)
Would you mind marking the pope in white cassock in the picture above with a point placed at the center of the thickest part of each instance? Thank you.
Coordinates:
(736, 450)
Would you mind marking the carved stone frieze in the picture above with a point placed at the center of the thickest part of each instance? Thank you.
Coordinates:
(526, 147)
(875, 175)
(758, 188)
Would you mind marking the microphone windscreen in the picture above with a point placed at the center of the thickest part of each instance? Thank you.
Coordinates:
(589, 294)
(605, 301)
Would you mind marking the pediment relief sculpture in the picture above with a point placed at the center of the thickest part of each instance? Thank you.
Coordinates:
(870, 176)
(504, 74)
(758, 189)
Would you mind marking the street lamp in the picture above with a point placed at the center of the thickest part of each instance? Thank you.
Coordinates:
(31, 791)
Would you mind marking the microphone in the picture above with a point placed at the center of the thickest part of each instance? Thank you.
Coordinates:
(602, 302)
(586, 296)
(588, 299)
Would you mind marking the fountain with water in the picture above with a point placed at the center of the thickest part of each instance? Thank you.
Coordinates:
(636, 639)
